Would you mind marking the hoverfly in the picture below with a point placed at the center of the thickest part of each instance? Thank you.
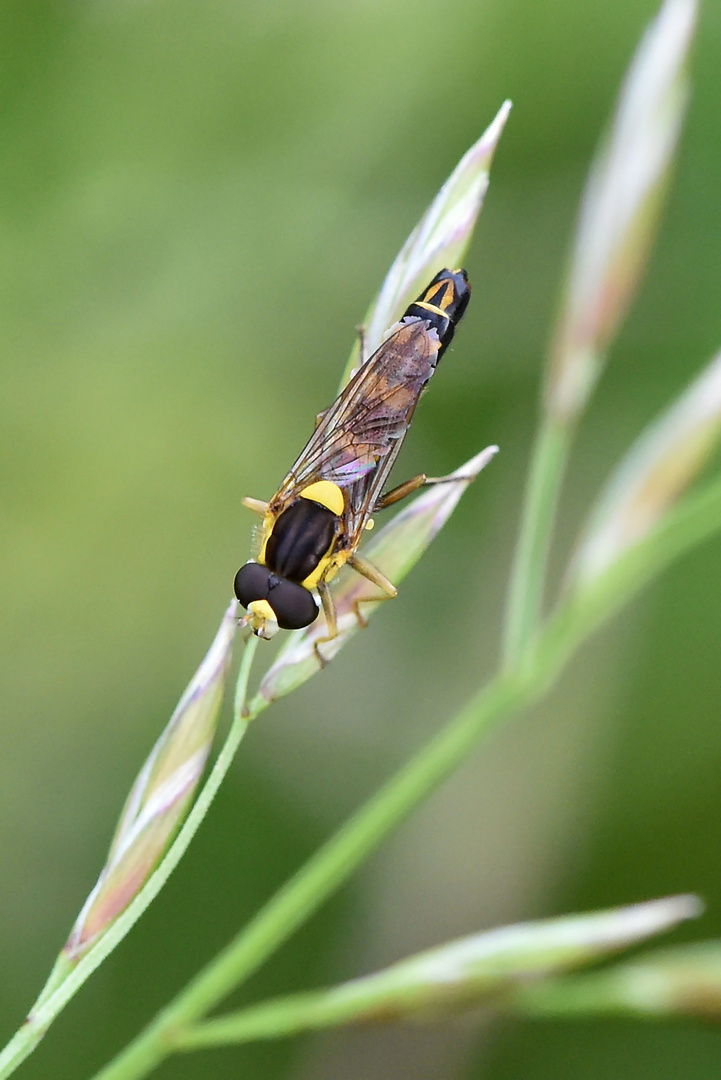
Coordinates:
(313, 524)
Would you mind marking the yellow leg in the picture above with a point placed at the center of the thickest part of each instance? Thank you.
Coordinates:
(421, 480)
(331, 621)
(373, 574)
(256, 505)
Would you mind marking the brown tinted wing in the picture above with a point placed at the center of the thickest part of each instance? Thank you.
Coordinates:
(359, 436)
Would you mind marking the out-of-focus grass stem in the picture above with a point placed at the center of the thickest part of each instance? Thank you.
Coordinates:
(525, 595)
(682, 981)
(616, 227)
(452, 977)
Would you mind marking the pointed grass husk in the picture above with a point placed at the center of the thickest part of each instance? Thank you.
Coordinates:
(161, 795)
(620, 209)
(440, 239)
(655, 472)
(485, 967)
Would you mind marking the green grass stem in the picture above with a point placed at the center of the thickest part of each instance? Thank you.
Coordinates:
(525, 594)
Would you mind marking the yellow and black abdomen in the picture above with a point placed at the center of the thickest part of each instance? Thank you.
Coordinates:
(442, 304)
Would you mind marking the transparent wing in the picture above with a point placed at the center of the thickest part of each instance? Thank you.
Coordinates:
(359, 436)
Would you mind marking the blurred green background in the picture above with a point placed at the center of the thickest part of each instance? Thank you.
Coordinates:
(197, 201)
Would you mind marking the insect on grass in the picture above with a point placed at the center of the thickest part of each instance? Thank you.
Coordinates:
(314, 523)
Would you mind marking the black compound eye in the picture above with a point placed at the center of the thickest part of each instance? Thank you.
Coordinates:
(293, 605)
(252, 582)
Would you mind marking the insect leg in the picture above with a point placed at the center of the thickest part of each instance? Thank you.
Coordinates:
(256, 505)
(421, 480)
(331, 621)
(374, 575)
(397, 493)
